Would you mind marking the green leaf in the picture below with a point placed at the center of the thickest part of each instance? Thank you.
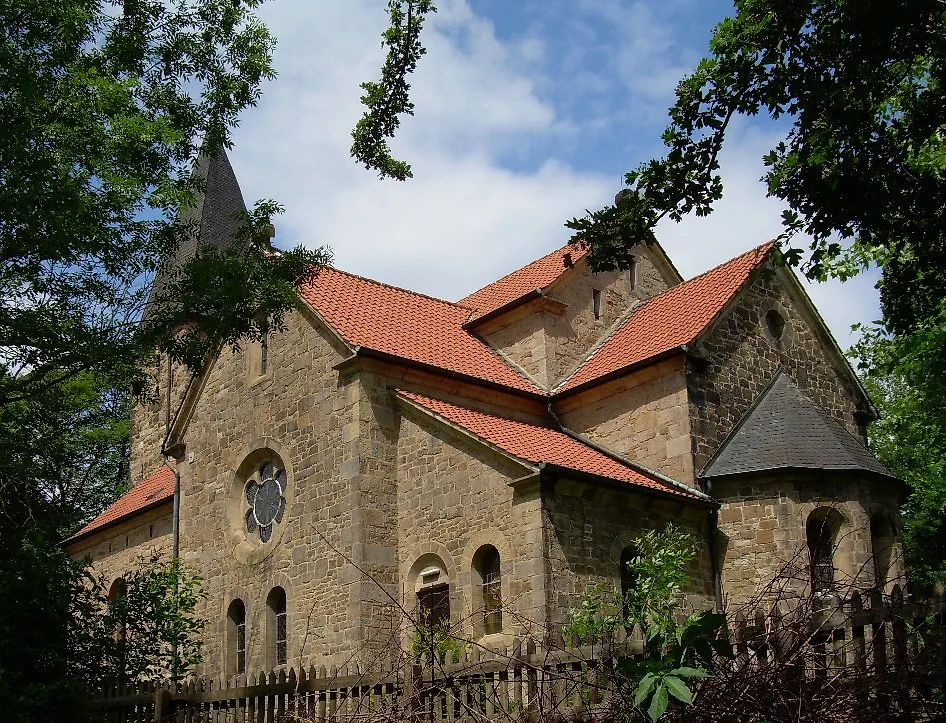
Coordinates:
(658, 704)
(687, 672)
(678, 689)
(644, 688)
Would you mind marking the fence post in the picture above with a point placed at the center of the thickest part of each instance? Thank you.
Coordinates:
(412, 679)
(163, 704)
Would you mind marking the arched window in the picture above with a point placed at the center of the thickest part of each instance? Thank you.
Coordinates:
(488, 583)
(277, 630)
(628, 579)
(236, 637)
(821, 532)
(882, 542)
(432, 587)
(118, 607)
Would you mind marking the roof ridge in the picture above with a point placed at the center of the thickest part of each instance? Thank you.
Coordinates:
(757, 249)
(399, 288)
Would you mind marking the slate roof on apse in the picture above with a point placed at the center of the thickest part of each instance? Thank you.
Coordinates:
(786, 430)
(537, 275)
(406, 324)
(156, 488)
(670, 319)
(540, 444)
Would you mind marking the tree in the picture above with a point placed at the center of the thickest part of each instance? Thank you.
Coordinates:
(154, 623)
(862, 169)
(105, 108)
(910, 436)
(676, 654)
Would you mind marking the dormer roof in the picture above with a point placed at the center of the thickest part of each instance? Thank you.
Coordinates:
(522, 282)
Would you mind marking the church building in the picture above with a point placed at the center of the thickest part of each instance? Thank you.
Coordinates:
(487, 461)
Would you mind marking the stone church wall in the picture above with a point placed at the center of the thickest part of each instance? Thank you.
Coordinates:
(643, 415)
(763, 531)
(574, 333)
(548, 338)
(118, 549)
(454, 496)
(297, 413)
(587, 528)
(743, 359)
(149, 421)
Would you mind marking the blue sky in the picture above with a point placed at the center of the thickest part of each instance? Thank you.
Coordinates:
(527, 113)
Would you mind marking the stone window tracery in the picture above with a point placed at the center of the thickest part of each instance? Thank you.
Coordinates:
(265, 497)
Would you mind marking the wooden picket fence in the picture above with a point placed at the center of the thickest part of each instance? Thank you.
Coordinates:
(478, 685)
(854, 637)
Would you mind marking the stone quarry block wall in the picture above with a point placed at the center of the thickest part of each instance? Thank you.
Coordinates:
(118, 549)
(299, 414)
(150, 418)
(455, 496)
(550, 337)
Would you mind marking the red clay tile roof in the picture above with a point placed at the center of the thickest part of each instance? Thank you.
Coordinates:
(669, 320)
(406, 324)
(536, 275)
(150, 491)
(541, 444)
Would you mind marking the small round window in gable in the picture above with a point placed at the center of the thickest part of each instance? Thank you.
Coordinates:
(265, 497)
(775, 324)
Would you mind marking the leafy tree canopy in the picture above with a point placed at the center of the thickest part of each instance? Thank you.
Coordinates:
(862, 169)
(902, 375)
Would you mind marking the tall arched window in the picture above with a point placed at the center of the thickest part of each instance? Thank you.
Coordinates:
(432, 586)
(628, 579)
(236, 637)
(488, 582)
(277, 629)
(821, 532)
(118, 607)
(882, 541)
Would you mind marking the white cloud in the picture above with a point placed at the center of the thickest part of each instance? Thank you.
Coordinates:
(468, 216)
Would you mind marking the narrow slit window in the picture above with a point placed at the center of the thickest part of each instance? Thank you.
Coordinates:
(264, 353)
(278, 626)
(632, 273)
(236, 624)
(596, 302)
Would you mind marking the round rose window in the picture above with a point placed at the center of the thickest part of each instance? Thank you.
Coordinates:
(264, 495)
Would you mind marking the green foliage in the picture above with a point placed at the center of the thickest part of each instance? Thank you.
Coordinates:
(388, 99)
(861, 169)
(157, 628)
(674, 653)
(434, 639)
(45, 659)
(906, 377)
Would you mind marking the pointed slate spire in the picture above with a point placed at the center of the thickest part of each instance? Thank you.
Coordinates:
(786, 430)
(212, 221)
